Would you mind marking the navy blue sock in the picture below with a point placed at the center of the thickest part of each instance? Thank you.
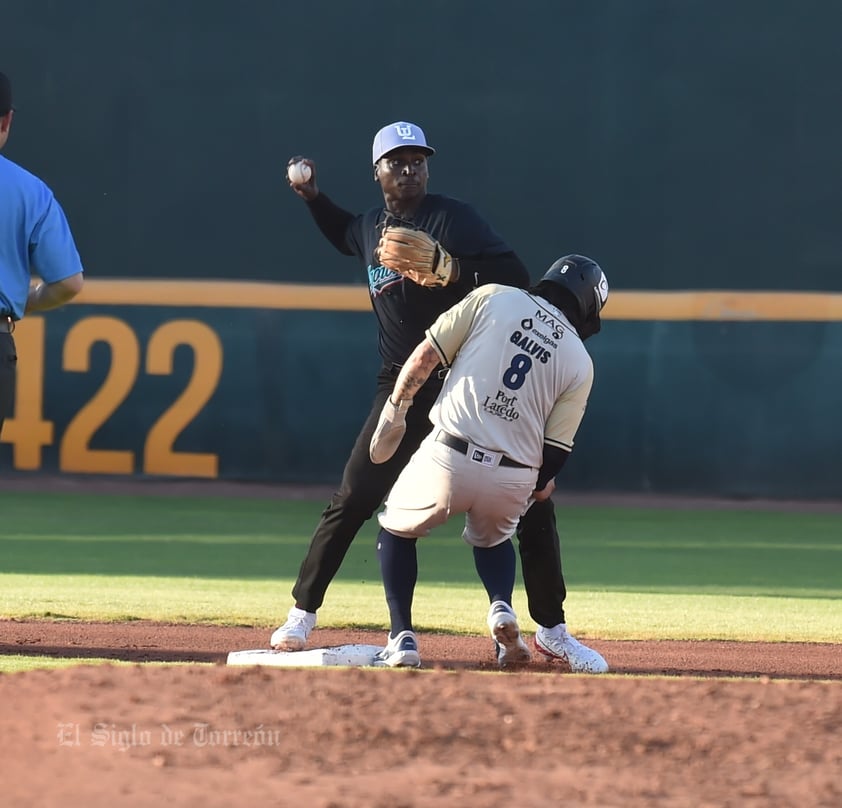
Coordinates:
(399, 570)
(496, 567)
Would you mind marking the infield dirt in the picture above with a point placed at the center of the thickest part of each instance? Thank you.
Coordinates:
(674, 724)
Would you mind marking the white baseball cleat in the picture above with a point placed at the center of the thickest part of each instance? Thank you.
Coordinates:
(502, 623)
(292, 635)
(400, 652)
(556, 643)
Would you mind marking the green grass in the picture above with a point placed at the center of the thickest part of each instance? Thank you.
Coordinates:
(22, 664)
(631, 573)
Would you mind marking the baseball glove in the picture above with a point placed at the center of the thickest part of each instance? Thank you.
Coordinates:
(416, 255)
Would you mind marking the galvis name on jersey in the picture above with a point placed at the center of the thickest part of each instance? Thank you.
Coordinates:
(528, 345)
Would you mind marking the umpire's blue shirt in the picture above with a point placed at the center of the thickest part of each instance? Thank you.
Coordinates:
(34, 237)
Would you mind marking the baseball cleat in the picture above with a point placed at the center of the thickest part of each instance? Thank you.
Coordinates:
(512, 651)
(556, 643)
(292, 635)
(400, 652)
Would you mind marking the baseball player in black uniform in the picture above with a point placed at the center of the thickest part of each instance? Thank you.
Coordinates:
(407, 296)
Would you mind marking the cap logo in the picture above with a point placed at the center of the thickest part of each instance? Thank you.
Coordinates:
(564, 268)
(405, 131)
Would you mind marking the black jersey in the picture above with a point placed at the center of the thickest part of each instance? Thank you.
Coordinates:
(403, 309)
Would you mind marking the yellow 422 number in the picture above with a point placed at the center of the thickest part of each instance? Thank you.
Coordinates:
(28, 432)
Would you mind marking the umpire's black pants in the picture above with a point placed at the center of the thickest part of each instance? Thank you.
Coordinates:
(365, 486)
(8, 368)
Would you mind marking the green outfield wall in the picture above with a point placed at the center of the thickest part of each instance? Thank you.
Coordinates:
(691, 146)
(683, 143)
(252, 381)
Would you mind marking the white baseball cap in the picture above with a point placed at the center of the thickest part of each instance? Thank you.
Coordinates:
(397, 135)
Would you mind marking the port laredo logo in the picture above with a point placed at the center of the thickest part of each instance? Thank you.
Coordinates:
(502, 405)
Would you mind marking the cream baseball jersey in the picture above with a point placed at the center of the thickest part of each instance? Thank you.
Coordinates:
(519, 374)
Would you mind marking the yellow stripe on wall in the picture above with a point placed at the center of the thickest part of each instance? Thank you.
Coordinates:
(639, 305)
(225, 294)
(730, 305)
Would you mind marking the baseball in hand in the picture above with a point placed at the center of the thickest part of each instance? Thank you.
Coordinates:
(299, 173)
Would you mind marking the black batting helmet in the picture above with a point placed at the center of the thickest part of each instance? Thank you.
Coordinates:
(586, 287)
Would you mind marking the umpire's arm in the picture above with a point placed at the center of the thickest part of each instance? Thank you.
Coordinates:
(45, 296)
